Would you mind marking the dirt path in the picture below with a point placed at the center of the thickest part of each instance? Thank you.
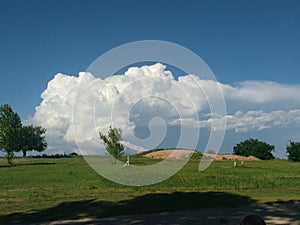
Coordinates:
(284, 213)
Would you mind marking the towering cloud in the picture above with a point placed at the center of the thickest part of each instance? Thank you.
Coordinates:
(150, 96)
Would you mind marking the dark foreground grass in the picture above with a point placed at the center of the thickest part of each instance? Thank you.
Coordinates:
(36, 190)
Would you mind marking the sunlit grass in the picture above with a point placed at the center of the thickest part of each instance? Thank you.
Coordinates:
(35, 184)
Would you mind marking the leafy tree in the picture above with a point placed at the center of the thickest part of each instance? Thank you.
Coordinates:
(254, 147)
(112, 142)
(10, 127)
(33, 139)
(293, 151)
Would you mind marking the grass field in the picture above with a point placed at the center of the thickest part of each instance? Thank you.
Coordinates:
(39, 189)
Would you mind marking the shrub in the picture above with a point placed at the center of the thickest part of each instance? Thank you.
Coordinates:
(293, 151)
(255, 148)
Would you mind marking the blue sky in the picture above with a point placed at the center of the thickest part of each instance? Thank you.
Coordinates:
(239, 40)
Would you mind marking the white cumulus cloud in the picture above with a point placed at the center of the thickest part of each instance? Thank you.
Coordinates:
(150, 96)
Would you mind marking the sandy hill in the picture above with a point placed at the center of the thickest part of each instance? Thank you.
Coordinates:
(171, 153)
(219, 157)
(181, 154)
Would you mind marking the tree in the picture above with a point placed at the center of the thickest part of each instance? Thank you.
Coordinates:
(293, 151)
(14, 137)
(33, 139)
(255, 148)
(112, 142)
(10, 126)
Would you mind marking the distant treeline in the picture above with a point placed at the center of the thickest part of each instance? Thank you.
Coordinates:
(56, 155)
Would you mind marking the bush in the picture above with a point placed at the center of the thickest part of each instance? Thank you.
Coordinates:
(196, 156)
(293, 151)
(73, 154)
(255, 148)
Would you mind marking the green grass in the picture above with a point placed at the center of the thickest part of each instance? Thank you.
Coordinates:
(36, 190)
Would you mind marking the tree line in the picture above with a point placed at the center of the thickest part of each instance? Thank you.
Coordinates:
(16, 137)
(249, 147)
(263, 151)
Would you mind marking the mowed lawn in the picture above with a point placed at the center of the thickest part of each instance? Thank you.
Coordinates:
(46, 189)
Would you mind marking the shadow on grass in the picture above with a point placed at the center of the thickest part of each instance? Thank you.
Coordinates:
(148, 203)
(29, 164)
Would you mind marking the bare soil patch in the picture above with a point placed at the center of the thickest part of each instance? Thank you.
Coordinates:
(219, 157)
(182, 154)
(170, 153)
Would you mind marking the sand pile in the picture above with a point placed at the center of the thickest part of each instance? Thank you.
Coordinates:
(183, 154)
(219, 157)
(171, 153)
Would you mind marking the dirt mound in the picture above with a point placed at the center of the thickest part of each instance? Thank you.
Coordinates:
(170, 153)
(219, 157)
(183, 154)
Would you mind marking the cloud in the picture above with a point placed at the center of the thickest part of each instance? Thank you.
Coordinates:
(151, 97)
(244, 122)
(262, 92)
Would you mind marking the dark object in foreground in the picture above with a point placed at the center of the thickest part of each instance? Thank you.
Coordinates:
(253, 220)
